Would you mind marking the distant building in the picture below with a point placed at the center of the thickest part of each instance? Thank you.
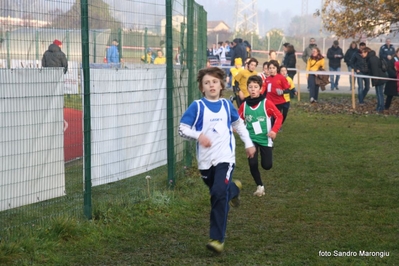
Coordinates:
(215, 26)
(178, 20)
(176, 23)
(9, 21)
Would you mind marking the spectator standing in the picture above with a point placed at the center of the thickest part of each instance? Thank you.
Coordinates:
(387, 51)
(149, 57)
(54, 57)
(162, 46)
(178, 56)
(335, 55)
(391, 87)
(113, 52)
(227, 48)
(231, 53)
(375, 70)
(285, 45)
(290, 60)
(284, 52)
(214, 49)
(160, 59)
(347, 59)
(210, 122)
(220, 52)
(308, 50)
(315, 62)
(209, 52)
(360, 66)
(239, 50)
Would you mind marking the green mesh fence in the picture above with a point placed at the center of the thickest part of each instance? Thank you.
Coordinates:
(102, 128)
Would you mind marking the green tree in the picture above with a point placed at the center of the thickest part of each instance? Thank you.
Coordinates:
(99, 17)
(354, 19)
(276, 39)
(304, 26)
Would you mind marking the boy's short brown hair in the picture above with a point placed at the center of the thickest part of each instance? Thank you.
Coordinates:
(214, 72)
(255, 79)
(274, 63)
(252, 59)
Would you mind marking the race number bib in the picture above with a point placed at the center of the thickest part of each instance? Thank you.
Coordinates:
(257, 128)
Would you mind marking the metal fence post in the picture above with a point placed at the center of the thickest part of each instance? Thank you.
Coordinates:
(203, 35)
(87, 209)
(68, 43)
(94, 46)
(169, 96)
(145, 45)
(37, 44)
(120, 41)
(190, 66)
(182, 51)
(8, 49)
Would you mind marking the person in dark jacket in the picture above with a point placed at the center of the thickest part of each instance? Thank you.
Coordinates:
(387, 51)
(54, 57)
(285, 45)
(391, 87)
(360, 66)
(347, 59)
(289, 60)
(375, 70)
(334, 55)
(239, 50)
(231, 54)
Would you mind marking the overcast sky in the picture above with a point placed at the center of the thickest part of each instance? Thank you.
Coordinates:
(275, 6)
(275, 13)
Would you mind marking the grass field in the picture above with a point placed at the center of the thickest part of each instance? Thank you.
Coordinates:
(332, 192)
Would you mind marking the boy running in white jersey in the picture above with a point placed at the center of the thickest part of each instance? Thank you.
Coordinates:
(210, 121)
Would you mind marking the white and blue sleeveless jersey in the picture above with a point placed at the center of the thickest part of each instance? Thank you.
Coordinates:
(214, 119)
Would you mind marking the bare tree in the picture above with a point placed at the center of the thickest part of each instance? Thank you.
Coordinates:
(354, 19)
(99, 17)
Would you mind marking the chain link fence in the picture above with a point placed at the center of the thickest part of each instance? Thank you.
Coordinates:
(103, 127)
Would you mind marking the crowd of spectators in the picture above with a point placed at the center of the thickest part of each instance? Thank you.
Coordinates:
(372, 68)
